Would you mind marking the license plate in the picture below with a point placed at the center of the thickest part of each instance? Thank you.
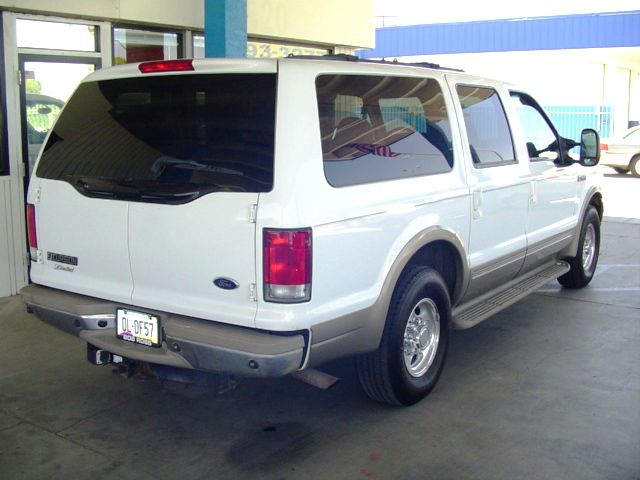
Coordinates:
(138, 327)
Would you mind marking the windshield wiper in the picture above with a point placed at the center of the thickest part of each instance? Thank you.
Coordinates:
(171, 197)
(122, 191)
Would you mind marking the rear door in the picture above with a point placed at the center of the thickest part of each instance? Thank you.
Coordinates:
(214, 135)
(500, 195)
(83, 242)
(188, 156)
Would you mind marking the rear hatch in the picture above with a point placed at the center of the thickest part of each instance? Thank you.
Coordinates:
(146, 186)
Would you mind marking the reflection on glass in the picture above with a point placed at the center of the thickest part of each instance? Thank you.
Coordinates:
(131, 45)
(48, 85)
(56, 35)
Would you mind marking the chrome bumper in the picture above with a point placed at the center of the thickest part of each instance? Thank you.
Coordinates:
(187, 343)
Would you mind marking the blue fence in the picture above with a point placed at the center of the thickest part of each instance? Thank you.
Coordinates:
(570, 120)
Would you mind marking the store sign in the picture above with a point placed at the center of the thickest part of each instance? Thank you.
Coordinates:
(276, 50)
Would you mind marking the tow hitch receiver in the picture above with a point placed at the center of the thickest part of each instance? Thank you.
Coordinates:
(101, 357)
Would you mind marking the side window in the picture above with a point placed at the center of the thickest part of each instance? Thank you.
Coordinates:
(487, 127)
(377, 128)
(542, 143)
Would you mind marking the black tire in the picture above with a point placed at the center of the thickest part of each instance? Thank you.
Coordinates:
(384, 375)
(583, 265)
(620, 170)
(634, 166)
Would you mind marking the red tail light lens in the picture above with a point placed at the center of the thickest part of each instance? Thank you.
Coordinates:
(604, 147)
(31, 230)
(287, 265)
(166, 66)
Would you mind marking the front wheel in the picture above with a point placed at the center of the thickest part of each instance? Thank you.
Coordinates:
(583, 265)
(411, 355)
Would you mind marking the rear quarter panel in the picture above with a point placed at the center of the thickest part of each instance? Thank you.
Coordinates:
(358, 231)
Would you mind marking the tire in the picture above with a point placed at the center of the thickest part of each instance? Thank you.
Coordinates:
(620, 170)
(583, 265)
(419, 319)
(634, 166)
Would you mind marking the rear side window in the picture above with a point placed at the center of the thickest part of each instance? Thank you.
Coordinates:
(166, 139)
(377, 128)
(487, 127)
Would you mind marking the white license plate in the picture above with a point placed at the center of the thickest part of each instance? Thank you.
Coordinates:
(138, 327)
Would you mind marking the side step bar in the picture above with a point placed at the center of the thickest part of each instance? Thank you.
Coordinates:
(470, 314)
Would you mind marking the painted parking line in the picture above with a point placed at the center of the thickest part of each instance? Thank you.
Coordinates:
(601, 269)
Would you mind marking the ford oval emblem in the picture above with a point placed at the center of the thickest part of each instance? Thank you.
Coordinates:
(226, 283)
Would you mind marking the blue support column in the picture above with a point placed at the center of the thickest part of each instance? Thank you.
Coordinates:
(225, 28)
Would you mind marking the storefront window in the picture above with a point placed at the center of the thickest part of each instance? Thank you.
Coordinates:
(133, 45)
(198, 46)
(56, 35)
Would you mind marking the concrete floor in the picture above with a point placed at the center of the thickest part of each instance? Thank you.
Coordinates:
(548, 389)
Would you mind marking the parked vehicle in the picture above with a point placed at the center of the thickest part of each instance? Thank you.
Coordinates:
(623, 154)
(261, 217)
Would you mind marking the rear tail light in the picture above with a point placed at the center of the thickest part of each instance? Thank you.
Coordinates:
(287, 265)
(604, 147)
(31, 231)
(166, 66)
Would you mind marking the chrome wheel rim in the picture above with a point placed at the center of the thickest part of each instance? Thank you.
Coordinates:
(589, 248)
(421, 337)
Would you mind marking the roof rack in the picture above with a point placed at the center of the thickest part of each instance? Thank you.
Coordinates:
(343, 57)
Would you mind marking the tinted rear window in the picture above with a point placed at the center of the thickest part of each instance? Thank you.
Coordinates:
(166, 139)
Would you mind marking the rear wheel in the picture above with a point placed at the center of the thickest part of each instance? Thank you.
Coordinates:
(408, 363)
(583, 265)
(634, 166)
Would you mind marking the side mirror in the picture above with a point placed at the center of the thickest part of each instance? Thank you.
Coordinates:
(589, 148)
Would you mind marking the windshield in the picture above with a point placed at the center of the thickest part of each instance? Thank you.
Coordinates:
(166, 139)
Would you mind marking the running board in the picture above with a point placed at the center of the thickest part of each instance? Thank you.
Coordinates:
(480, 309)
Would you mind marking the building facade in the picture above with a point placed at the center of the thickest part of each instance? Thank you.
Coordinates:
(46, 48)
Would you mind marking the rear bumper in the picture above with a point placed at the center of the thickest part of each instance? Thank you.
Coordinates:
(187, 342)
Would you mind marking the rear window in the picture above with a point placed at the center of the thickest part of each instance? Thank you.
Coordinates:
(166, 139)
(377, 128)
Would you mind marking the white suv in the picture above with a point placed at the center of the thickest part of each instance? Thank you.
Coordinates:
(261, 217)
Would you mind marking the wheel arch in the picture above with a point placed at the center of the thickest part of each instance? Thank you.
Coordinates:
(438, 248)
(594, 200)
